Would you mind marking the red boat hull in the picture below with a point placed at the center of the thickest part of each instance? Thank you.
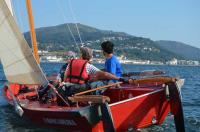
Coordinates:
(131, 107)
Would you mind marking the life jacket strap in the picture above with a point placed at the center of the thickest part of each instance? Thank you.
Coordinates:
(80, 76)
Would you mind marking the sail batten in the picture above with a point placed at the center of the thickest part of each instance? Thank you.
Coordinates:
(17, 58)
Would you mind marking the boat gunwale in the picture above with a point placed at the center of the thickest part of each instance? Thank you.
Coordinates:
(136, 97)
(75, 109)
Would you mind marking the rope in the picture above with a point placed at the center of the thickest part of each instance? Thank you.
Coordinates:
(74, 19)
(68, 26)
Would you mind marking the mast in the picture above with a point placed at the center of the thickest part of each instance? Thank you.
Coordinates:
(32, 31)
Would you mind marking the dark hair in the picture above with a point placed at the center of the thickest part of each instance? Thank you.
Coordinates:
(107, 47)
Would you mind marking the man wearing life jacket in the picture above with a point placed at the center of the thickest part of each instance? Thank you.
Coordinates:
(80, 71)
(76, 72)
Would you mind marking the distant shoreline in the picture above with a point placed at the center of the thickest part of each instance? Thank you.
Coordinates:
(62, 62)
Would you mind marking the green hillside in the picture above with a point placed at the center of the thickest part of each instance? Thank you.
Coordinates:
(58, 38)
(181, 49)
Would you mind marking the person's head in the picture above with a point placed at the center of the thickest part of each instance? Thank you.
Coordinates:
(71, 55)
(107, 47)
(86, 53)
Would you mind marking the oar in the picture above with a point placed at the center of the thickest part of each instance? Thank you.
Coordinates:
(18, 109)
(144, 73)
(98, 88)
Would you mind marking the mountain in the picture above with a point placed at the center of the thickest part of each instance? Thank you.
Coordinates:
(59, 38)
(60, 35)
(142, 48)
(186, 51)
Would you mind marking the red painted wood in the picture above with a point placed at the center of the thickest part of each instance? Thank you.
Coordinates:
(131, 107)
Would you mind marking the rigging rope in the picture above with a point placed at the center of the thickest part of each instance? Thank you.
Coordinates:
(74, 18)
(68, 26)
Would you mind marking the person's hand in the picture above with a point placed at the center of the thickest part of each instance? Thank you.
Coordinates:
(124, 80)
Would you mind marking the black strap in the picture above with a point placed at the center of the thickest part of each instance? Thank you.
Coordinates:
(70, 74)
(76, 77)
(80, 76)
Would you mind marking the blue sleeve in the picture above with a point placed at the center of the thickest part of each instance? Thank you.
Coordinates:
(111, 67)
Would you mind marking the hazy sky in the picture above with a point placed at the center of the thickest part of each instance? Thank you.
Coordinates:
(177, 20)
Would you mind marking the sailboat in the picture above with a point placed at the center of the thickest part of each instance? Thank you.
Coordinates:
(141, 103)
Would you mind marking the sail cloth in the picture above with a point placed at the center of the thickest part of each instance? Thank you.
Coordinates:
(16, 56)
(8, 2)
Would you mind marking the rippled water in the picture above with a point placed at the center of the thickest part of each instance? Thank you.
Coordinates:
(10, 122)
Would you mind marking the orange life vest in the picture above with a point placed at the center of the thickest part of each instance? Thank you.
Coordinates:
(76, 72)
(14, 89)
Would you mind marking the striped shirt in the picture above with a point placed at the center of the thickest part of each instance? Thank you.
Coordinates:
(91, 69)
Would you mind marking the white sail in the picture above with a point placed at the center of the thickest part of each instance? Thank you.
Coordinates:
(16, 56)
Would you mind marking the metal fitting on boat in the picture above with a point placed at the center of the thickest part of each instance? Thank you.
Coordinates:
(167, 92)
(154, 120)
(130, 128)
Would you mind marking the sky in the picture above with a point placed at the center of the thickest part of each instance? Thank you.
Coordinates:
(177, 20)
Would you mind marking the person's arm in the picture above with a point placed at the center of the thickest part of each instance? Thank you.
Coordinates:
(105, 75)
(101, 75)
(97, 74)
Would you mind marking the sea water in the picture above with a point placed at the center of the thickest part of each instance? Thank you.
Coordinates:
(11, 122)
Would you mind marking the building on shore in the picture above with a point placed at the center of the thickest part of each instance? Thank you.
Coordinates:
(51, 59)
(183, 62)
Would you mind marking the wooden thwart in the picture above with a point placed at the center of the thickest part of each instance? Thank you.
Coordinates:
(90, 98)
